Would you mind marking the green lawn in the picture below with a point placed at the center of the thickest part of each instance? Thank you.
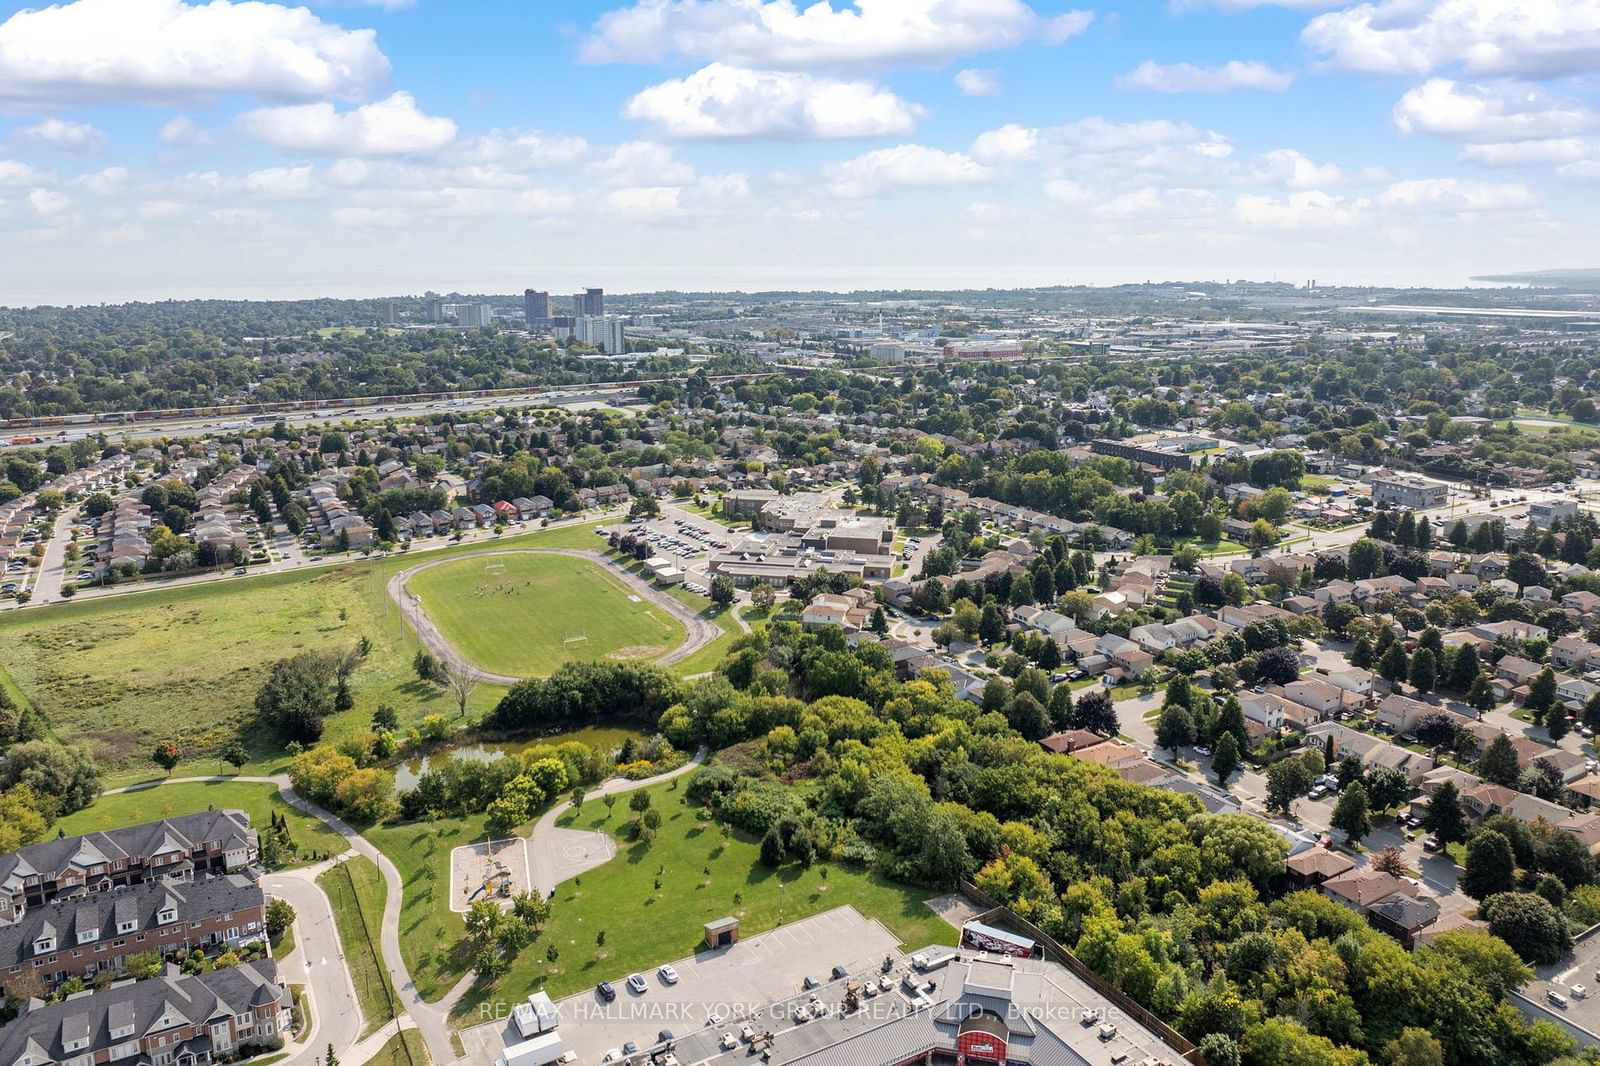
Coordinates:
(646, 926)
(355, 889)
(525, 615)
(430, 933)
(405, 1048)
(283, 947)
(257, 800)
(123, 672)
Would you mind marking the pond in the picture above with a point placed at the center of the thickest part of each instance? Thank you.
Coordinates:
(606, 738)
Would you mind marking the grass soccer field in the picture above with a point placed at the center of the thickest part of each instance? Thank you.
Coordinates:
(525, 615)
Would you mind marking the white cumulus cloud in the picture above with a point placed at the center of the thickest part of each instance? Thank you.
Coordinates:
(720, 101)
(392, 126)
(1188, 78)
(975, 82)
(117, 50)
(905, 165)
(784, 34)
(1523, 38)
(1494, 111)
(73, 138)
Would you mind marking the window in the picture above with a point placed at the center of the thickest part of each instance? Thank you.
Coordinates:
(122, 1051)
(167, 916)
(87, 936)
(127, 927)
(99, 947)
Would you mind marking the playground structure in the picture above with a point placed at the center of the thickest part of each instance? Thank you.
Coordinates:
(498, 883)
(496, 870)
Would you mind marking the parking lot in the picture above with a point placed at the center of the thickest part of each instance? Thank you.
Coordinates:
(689, 541)
(727, 982)
(1576, 979)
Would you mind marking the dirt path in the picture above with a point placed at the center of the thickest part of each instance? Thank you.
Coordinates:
(698, 631)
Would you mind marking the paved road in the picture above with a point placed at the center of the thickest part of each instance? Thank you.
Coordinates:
(296, 560)
(698, 631)
(318, 963)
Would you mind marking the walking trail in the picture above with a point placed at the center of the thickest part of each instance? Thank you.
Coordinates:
(432, 1020)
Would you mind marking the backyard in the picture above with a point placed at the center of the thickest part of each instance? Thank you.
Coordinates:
(525, 615)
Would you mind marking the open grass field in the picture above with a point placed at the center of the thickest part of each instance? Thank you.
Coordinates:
(123, 672)
(525, 615)
(355, 889)
(257, 800)
(646, 926)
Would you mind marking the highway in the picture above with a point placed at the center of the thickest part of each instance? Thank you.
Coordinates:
(124, 433)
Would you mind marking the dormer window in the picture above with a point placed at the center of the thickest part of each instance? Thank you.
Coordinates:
(88, 936)
(44, 944)
(168, 915)
(127, 927)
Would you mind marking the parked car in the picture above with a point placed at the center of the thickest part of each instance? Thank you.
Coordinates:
(668, 974)
(1431, 843)
(637, 984)
(606, 991)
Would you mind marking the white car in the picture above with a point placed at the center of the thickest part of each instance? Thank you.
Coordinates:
(614, 1055)
(637, 984)
(668, 974)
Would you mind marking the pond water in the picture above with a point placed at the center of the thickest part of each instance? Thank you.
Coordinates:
(603, 737)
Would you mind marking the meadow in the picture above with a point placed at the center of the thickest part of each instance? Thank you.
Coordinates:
(123, 672)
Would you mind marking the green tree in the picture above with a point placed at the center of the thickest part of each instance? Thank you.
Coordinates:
(1490, 868)
(1481, 695)
(1415, 1047)
(1287, 780)
(1174, 728)
(1445, 818)
(280, 916)
(1350, 814)
(1464, 669)
(1541, 692)
(1424, 670)
(1225, 758)
(1534, 929)
(1393, 666)
(166, 755)
(1498, 764)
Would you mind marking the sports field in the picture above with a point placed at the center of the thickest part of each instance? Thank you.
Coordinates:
(525, 615)
(122, 672)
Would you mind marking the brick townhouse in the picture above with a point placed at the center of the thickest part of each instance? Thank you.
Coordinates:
(96, 933)
(167, 1021)
(214, 841)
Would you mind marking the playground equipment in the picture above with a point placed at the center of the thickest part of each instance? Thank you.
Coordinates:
(496, 883)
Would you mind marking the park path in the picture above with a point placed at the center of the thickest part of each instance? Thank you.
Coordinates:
(698, 632)
(431, 1020)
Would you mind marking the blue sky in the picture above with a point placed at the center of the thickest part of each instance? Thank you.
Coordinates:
(155, 148)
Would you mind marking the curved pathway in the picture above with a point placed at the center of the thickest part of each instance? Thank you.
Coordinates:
(698, 631)
(432, 1020)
